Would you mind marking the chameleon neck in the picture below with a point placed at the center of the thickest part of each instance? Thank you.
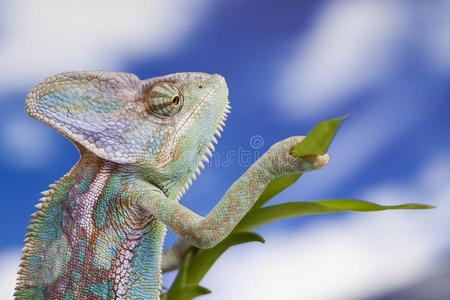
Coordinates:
(87, 241)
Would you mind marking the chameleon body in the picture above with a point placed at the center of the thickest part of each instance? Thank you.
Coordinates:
(98, 231)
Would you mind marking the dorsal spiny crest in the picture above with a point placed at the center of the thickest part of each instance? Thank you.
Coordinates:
(163, 99)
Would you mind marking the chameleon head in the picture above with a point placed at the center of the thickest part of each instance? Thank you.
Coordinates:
(164, 126)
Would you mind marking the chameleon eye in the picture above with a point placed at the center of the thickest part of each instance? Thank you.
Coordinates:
(164, 99)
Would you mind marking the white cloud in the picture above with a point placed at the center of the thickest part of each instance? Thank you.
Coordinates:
(356, 44)
(351, 258)
(348, 47)
(26, 144)
(9, 265)
(434, 27)
(39, 38)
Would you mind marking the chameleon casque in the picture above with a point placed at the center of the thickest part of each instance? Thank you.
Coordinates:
(98, 231)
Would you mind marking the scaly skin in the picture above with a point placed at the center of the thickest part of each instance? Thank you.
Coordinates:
(98, 232)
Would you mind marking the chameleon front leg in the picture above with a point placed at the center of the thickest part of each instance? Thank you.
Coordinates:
(206, 232)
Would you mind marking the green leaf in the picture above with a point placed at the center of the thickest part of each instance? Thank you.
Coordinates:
(318, 139)
(205, 258)
(315, 143)
(274, 213)
(275, 187)
(182, 275)
(187, 292)
(362, 206)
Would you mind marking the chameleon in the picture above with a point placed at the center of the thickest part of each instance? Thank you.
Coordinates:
(98, 231)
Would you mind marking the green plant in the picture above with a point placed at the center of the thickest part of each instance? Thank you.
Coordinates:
(198, 262)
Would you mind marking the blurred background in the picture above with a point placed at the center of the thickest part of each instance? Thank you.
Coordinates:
(289, 65)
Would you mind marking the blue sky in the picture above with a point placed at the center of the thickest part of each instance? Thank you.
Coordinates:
(288, 65)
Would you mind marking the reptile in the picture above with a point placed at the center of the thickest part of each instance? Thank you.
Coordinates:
(98, 232)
